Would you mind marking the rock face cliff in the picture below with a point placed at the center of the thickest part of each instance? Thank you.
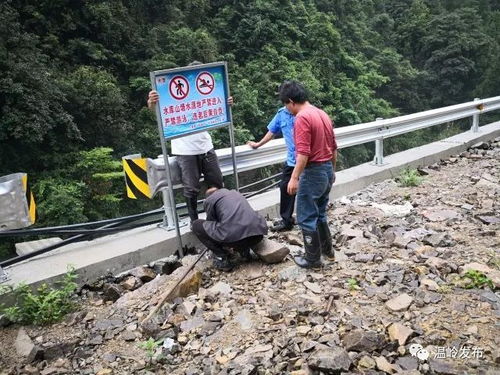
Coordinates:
(412, 290)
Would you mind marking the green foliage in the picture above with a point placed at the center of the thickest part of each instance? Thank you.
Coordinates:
(6, 250)
(46, 305)
(352, 284)
(150, 346)
(477, 279)
(60, 202)
(409, 177)
(90, 188)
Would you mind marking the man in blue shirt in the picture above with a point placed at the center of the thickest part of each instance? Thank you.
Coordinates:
(282, 123)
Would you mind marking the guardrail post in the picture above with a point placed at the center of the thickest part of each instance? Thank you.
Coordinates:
(3, 276)
(169, 210)
(475, 120)
(379, 149)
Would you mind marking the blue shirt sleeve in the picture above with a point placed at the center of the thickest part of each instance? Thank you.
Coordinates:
(275, 126)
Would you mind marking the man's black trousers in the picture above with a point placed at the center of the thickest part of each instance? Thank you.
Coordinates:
(218, 247)
(287, 202)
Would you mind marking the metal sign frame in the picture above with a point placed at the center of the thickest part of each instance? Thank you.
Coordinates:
(186, 69)
(168, 197)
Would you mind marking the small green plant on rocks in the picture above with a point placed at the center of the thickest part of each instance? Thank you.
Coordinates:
(409, 177)
(352, 284)
(45, 305)
(477, 279)
(150, 346)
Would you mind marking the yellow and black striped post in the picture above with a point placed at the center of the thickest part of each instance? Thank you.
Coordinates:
(136, 177)
(30, 199)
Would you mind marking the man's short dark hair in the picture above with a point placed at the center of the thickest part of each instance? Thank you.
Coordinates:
(294, 91)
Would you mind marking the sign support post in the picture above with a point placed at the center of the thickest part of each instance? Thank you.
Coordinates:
(231, 138)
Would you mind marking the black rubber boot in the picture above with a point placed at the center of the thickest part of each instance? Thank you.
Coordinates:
(281, 226)
(325, 239)
(222, 259)
(312, 258)
(192, 207)
(248, 255)
(223, 263)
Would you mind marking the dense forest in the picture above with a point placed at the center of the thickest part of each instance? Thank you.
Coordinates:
(74, 76)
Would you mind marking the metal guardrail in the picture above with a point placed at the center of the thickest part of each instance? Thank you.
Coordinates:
(274, 152)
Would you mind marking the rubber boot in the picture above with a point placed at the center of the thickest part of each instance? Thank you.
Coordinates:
(325, 239)
(312, 257)
(222, 260)
(223, 263)
(248, 255)
(192, 207)
(281, 226)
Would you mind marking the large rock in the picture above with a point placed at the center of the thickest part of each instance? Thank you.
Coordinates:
(271, 251)
(359, 341)
(394, 210)
(399, 332)
(439, 214)
(130, 283)
(429, 284)
(23, 343)
(111, 292)
(144, 274)
(439, 240)
(399, 303)
(60, 349)
(166, 265)
(330, 361)
(348, 232)
(485, 219)
(384, 365)
(441, 265)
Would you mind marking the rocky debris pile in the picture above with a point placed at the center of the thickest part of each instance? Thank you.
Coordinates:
(406, 294)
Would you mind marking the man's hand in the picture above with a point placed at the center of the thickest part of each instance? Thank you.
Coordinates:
(293, 186)
(253, 144)
(153, 98)
(230, 101)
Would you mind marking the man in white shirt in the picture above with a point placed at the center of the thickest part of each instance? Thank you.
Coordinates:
(195, 155)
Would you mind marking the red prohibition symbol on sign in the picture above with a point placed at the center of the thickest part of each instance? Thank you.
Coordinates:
(179, 87)
(205, 83)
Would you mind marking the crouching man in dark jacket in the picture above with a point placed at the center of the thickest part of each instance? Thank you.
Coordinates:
(230, 223)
